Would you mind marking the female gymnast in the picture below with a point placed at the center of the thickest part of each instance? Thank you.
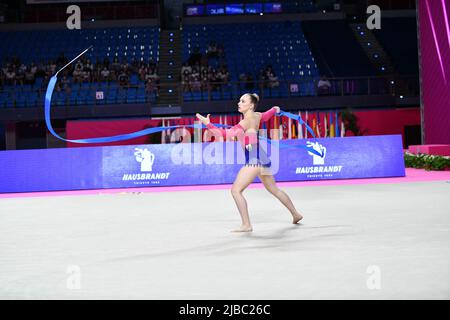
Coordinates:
(256, 160)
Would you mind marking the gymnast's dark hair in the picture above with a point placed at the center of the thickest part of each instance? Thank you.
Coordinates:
(254, 98)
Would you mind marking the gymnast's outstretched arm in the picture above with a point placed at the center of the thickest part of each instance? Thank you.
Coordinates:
(269, 113)
(233, 131)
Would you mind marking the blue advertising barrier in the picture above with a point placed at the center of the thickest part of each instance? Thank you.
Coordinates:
(196, 163)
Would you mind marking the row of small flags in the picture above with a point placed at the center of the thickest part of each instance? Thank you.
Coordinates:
(328, 124)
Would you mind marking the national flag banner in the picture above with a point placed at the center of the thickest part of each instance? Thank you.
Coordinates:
(285, 127)
(299, 126)
(332, 132)
(342, 128)
(318, 133)
(293, 130)
(163, 133)
(275, 131)
(306, 127)
(325, 124)
(314, 124)
(289, 128)
(168, 130)
(337, 124)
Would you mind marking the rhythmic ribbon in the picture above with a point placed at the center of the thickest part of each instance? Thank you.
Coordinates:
(122, 137)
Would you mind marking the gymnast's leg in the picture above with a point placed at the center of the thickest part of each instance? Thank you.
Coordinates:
(271, 186)
(244, 177)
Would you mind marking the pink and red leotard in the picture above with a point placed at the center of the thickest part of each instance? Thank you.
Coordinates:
(253, 156)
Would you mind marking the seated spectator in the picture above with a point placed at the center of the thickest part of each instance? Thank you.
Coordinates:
(20, 76)
(186, 67)
(214, 80)
(65, 84)
(115, 66)
(86, 76)
(77, 74)
(125, 65)
(29, 76)
(104, 74)
(123, 79)
(223, 75)
(185, 81)
(323, 86)
(195, 83)
(150, 87)
(10, 76)
(143, 70)
(273, 81)
(271, 78)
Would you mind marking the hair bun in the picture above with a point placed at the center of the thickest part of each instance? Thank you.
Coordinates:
(256, 97)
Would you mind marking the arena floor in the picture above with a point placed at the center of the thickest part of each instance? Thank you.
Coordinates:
(356, 241)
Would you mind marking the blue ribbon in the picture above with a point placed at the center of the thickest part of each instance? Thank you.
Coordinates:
(122, 137)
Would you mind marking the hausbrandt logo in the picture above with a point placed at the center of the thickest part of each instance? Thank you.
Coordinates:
(319, 157)
(146, 159)
(318, 161)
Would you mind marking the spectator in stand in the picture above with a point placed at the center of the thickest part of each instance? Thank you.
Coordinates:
(195, 83)
(10, 76)
(52, 68)
(104, 75)
(29, 76)
(150, 87)
(185, 81)
(204, 79)
(77, 73)
(186, 68)
(324, 86)
(65, 84)
(272, 79)
(16, 73)
(20, 75)
(123, 79)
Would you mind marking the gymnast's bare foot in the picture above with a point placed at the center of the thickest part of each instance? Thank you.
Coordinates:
(243, 228)
(296, 218)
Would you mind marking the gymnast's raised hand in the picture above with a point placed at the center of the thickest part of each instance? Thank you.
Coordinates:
(204, 120)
